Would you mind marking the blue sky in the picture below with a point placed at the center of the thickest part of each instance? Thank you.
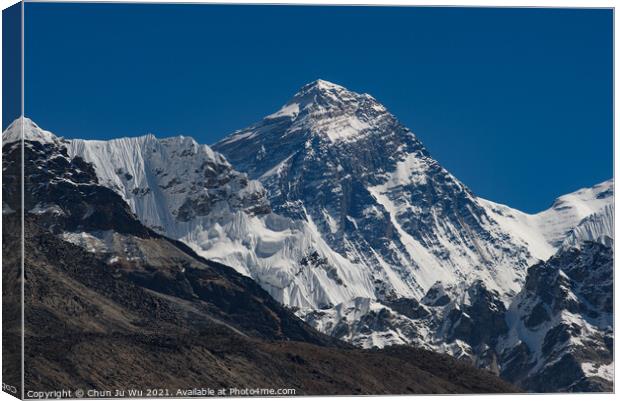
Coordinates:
(11, 64)
(517, 103)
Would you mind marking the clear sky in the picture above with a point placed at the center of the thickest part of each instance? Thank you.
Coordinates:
(517, 103)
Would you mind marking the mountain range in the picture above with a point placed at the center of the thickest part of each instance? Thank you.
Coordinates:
(111, 304)
(340, 213)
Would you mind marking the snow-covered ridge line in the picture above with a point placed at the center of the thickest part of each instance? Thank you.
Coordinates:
(545, 231)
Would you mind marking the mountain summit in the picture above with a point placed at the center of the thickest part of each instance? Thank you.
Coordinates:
(322, 109)
(320, 89)
(320, 95)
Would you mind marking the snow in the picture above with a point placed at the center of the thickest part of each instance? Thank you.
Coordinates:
(326, 85)
(568, 210)
(239, 135)
(343, 128)
(354, 310)
(597, 227)
(289, 110)
(334, 227)
(605, 372)
(535, 338)
(429, 268)
(277, 169)
(132, 165)
(311, 110)
(44, 209)
(99, 242)
(26, 128)
(522, 227)
(589, 337)
(412, 170)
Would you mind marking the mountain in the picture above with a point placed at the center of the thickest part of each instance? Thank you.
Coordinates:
(172, 181)
(110, 303)
(340, 161)
(322, 260)
(447, 264)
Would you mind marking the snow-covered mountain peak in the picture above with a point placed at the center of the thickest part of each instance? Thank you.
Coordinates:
(30, 131)
(322, 90)
(322, 85)
(568, 210)
(366, 236)
(338, 160)
(172, 180)
(327, 94)
(324, 110)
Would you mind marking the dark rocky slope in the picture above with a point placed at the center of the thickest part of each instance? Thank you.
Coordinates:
(561, 336)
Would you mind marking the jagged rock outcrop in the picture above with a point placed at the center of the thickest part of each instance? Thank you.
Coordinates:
(561, 323)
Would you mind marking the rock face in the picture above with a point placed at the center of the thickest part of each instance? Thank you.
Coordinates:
(341, 214)
(561, 335)
(107, 299)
